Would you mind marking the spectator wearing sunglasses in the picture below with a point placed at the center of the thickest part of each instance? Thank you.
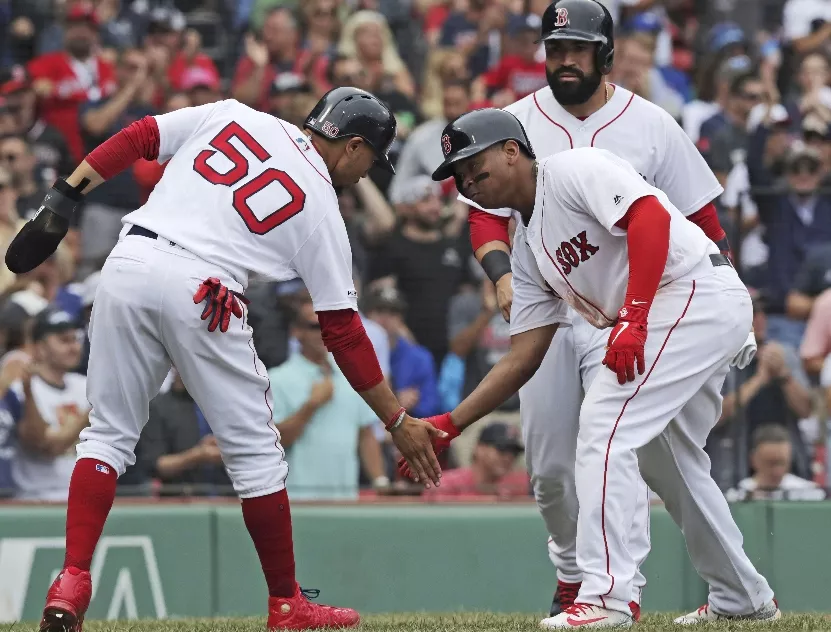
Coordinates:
(325, 427)
(796, 220)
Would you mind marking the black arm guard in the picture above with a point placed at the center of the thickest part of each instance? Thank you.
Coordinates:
(496, 264)
(42, 234)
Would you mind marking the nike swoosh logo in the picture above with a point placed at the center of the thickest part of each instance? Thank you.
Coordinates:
(638, 302)
(623, 327)
(576, 622)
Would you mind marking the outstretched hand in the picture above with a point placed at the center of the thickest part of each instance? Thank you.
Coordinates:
(415, 440)
(447, 432)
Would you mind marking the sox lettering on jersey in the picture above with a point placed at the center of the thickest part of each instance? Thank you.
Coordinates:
(567, 255)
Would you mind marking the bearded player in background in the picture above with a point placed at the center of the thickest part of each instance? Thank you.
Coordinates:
(580, 108)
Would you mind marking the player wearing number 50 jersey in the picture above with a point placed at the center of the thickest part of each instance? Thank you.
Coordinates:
(580, 108)
(243, 192)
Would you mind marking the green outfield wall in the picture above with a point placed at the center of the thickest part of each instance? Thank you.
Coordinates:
(196, 560)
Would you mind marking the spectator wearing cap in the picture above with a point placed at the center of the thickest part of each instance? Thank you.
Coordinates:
(772, 389)
(807, 25)
(201, 84)
(325, 427)
(726, 131)
(44, 462)
(427, 266)
(521, 71)
(635, 70)
(479, 335)
(795, 220)
(47, 142)
(770, 459)
(421, 154)
(492, 471)
(816, 344)
(101, 118)
(66, 79)
(17, 157)
(412, 370)
(817, 134)
(178, 448)
(291, 98)
(275, 50)
(713, 91)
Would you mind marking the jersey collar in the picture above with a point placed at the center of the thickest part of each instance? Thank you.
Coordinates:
(549, 106)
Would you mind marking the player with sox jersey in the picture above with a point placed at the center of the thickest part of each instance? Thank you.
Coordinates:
(243, 192)
(581, 109)
(673, 313)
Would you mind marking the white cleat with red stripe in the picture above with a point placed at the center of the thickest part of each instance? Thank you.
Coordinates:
(705, 614)
(582, 615)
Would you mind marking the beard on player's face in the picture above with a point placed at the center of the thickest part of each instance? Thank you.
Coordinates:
(572, 92)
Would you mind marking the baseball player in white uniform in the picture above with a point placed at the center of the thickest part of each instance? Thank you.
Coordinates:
(242, 192)
(596, 236)
(581, 109)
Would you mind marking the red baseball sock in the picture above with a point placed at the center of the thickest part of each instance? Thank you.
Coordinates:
(91, 496)
(268, 520)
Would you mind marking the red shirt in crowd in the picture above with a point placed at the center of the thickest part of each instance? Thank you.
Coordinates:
(181, 64)
(462, 482)
(73, 82)
(520, 76)
(305, 64)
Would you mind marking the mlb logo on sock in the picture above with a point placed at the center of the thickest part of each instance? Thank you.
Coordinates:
(102, 468)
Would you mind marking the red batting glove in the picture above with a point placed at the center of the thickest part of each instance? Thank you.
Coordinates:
(221, 303)
(626, 343)
(442, 422)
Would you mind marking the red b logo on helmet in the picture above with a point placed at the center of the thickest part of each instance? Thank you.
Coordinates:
(562, 17)
(445, 144)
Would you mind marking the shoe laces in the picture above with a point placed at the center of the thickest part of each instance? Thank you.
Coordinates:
(703, 609)
(568, 592)
(310, 593)
(579, 609)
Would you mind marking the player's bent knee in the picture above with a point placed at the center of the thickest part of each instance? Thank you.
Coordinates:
(250, 483)
(117, 458)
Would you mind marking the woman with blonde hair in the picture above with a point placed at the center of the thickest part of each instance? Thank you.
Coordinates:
(366, 36)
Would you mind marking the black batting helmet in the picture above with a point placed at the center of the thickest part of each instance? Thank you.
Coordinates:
(347, 112)
(474, 132)
(583, 20)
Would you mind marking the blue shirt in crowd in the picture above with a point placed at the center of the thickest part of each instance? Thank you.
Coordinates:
(412, 367)
(10, 413)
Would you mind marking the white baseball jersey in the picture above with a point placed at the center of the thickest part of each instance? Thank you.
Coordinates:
(638, 131)
(47, 478)
(580, 252)
(249, 193)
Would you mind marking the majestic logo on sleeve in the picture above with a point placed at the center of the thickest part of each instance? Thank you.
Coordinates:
(562, 17)
(567, 254)
(445, 144)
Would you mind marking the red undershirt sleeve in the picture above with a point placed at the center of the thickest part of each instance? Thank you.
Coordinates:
(647, 236)
(139, 140)
(486, 227)
(345, 337)
(706, 218)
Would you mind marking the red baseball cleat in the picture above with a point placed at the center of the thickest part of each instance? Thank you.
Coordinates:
(67, 601)
(298, 613)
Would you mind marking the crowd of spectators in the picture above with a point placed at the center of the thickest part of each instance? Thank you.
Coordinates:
(748, 80)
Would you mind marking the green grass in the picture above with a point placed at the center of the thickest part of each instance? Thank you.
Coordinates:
(458, 622)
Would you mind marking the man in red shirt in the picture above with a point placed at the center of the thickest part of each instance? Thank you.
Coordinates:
(65, 79)
(522, 70)
(276, 51)
(492, 471)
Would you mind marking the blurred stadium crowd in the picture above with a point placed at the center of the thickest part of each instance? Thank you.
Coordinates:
(749, 81)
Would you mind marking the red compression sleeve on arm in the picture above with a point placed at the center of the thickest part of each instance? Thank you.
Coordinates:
(114, 155)
(345, 337)
(706, 219)
(486, 227)
(647, 236)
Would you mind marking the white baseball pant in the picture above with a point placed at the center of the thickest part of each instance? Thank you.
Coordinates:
(660, 422)
(144, 319)
(550, 412)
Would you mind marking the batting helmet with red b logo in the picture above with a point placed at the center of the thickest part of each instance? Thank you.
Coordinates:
(584, 21)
